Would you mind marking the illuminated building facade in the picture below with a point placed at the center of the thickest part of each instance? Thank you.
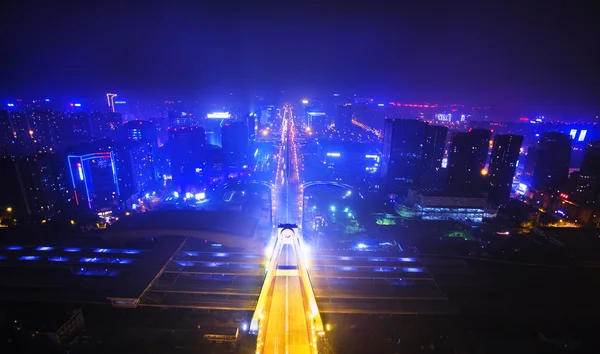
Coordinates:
(402, 161)
(235, 145)
(449, 205)
(38, 187)
(503, 164)
(110, 100)
(214, 123)
(187, 150)
(587, 189)
(433, 154)
(94, 179)
(343, 118)
(467, 158)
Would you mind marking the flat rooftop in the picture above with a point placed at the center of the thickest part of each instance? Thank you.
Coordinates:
(375, 282)
(87, 271)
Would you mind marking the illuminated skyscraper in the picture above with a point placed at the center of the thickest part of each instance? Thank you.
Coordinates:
(587, 189)
(234, 138)
(214, 124)
(503, 163)
(403, 153)
(94, 179)
(343, 118)
(188, 158)
(467, 158)
(110, 99)
(37, 185)
(433, 153)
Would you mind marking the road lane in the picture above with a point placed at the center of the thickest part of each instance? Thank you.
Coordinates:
(287, 331)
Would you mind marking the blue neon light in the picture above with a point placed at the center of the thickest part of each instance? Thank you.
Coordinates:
(220, 254)
(77, 104)
(28, 258)
(131, 251)
(380, 104)
(72, 249)
(58, 259)
(10, 104)
(185, 263)
(44, 248)
(97, 272)
(191, 254)
(102, 250)
(413, 270)
(125, 261)
(407, 259)
(2, 257)
(14, 248)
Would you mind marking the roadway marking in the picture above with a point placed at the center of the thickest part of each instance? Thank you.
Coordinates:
(287, 303)
(287, 317)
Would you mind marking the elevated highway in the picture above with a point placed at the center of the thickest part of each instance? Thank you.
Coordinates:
(287, 319)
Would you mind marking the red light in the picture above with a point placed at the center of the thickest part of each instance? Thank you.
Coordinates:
(524, 119)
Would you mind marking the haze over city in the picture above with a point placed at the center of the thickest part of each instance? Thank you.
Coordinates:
(255, 177)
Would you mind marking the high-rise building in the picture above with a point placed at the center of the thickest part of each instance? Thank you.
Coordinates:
(552, 165)
(503, 163)
(402, 163)
(587, 189)
(110, 100)
(94, 179)
(188, 159)
(37, 185)
(267, 116)
(140, 130)
(6, 131)
(530, 162)
(214, 123)
(235, 143)
(433, 154)
(467, 158)
(343, 118)
(44, 125)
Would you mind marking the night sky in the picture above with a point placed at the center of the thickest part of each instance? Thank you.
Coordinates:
(544, 53)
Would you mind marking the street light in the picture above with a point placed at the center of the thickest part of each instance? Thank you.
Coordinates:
(332, 208)
(9, 210)
(305, 101)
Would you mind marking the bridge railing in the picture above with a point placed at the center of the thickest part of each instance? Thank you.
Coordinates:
(308, 293)
(262, 304)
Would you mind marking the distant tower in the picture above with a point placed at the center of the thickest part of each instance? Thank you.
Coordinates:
(110, 98)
